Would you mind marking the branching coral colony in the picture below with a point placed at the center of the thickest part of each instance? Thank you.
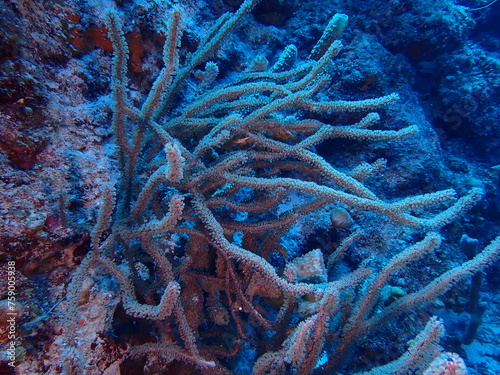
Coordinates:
(206, 287)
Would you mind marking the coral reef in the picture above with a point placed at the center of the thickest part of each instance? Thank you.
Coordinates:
(210, 189)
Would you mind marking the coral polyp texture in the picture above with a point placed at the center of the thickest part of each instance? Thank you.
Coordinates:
(223, 241)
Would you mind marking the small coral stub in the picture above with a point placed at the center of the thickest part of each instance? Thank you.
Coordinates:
(447, 364)
(308, 267)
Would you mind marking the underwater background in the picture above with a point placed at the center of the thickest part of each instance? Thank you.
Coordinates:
(249, 187)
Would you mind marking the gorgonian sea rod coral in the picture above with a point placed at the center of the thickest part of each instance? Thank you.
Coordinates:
(192, 238)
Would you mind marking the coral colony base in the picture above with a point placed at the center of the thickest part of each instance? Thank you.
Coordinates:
(198, 260)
